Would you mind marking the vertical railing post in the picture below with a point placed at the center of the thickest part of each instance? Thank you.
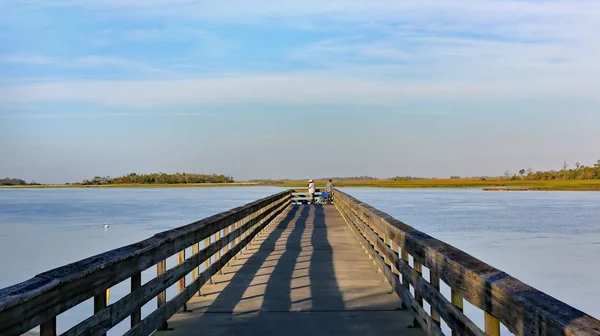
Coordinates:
(100, 303)
(196, 270)
(161, 299)
(405, 282)
(241, 227)
(418, 297)
(48, 328)
(218, 254)
(435, 282)
(492, 325)
(394, 248)
(207, 261)
(226, 231)
(235, 241)
(218, 237)
(457, 301)
(136, 282)
(181, 282)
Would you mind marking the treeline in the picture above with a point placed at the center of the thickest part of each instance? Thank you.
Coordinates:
(15, 182)
(579, 172)
(158, 178)
(12, 182)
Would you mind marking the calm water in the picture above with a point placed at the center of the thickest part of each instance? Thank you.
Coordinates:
(550, 240)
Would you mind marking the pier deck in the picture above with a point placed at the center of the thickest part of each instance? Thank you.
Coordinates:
(306, 275)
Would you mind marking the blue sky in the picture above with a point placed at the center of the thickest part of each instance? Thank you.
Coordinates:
(265, 89)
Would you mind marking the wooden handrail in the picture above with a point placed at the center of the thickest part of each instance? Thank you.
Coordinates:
(523, 309)
(37, 302)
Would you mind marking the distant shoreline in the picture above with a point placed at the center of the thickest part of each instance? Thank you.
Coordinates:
(487, 184)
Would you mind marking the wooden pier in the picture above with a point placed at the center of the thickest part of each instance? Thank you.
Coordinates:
(277, 267)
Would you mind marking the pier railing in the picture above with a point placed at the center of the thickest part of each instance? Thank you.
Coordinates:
(403, 253)
(38, 301)
(301, 196)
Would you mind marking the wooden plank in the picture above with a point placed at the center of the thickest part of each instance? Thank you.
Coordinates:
(419, 269)
(405, 282)
(150, 323)
(161, 298)
(434, 280)
(136, 314)
(453, 317)
(100, 301)
(181, 282)
(492, 325)
(430, 327)
(207, 262)
(118, 311)
(521, 308)
(31, 303)
(196, 271)
(48, 328)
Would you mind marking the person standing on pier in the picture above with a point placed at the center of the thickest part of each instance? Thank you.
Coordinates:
(311, 191)
(329, 191)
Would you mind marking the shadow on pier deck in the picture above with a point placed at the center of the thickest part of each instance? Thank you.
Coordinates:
(305, 276)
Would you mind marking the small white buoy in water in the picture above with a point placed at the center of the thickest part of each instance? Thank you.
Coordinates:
(106, 226)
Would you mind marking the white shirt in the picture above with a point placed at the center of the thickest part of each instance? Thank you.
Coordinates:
(311, 188)
(329, 187)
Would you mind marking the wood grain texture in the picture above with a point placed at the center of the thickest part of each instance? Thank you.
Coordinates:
(31, 303)
(366, 240)
(152, 321)
(118, 311)
(136, 314)
(48, 328)
(455, 319)
(520, 307)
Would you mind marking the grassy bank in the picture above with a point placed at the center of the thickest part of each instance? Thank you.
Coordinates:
(488, 184)
(506, 184)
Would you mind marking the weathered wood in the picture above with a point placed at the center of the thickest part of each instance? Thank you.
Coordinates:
(394, 248)
(218, 253)
(364, 239)
(453, 317)
(181, 282)
(48, 328)
(405, 282)
(226, 232)
(207, 262)
(136, 314)
(118, 311)
(434, 280)
(196, 271)
(152, 321)
(31, 303)
(521, 308)
(161, 298)
(419, 269)
(100, 301)
(457, 301)
(492, 325)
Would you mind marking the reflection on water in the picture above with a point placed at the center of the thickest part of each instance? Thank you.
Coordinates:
(547, 239)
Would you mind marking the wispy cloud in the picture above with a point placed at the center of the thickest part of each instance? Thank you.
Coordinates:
(356, 52)
(298, 89)
(84, 62)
